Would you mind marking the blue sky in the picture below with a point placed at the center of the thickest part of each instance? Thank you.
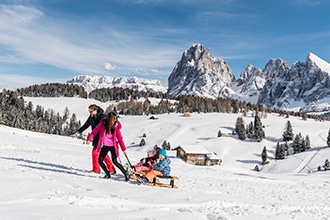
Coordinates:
(55, 40)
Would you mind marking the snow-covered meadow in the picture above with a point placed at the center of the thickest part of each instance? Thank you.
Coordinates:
(45, 176)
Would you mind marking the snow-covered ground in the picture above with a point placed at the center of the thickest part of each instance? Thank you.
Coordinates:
(45, 176)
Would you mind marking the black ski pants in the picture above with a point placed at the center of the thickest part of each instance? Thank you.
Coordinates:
(103, 153)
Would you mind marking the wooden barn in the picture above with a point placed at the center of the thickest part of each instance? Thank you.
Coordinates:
(197, 155)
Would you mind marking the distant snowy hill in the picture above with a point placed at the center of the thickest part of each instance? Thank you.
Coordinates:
(91, 83)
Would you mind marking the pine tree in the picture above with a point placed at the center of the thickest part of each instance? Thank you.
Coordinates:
(264, 155)
(256, 168)
(286, 148)
(142, 142)
(288, 133)
(66, 113)
(296, 144)
(168, 146)
(281, 152)
(240, 128)
(259, 133)
(219, 133)
(328, 139)
(303, 145)
(326, 165)
(307, 143)
(73, 125)
(164, 144)
(250, 130)
(276, 150)
(304, 116)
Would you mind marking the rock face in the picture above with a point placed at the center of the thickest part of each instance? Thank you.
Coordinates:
(250, 83)
(277, 86)
(199, 73)
(306, 82)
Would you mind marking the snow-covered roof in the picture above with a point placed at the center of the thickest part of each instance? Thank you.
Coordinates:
(197, 149)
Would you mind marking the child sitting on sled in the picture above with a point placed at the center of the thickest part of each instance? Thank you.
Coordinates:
(162, 168)
(146, 163)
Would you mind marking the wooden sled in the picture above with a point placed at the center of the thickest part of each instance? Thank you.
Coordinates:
(157, 181)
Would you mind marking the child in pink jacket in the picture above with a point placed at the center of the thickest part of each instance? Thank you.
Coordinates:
(110, 135)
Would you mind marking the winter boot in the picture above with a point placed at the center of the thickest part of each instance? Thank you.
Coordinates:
(126, 176)
(107, 176)
(140, 179)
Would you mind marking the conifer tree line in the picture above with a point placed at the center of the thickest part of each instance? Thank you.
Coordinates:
(53, 90)
(129, 104)
(15, 112)
(132, 105)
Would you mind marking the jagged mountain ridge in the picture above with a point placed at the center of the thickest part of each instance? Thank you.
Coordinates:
(304, 86)
(277, 86)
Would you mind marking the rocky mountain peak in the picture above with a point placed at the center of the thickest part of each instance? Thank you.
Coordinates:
(315, 61)
(304, 82)
(275, 67)
(199, 73)
(251, 79)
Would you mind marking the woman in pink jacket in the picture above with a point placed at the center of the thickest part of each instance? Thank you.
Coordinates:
(110, 136)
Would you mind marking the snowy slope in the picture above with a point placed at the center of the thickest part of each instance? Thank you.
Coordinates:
(46, 175)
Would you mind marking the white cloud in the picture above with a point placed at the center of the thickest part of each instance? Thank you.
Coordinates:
(18, 14)
(109, 66)
(32, 37)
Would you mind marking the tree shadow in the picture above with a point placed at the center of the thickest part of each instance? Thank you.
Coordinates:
(249, 161)
(274, 139)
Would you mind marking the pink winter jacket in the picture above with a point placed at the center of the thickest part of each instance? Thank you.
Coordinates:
(117, 137)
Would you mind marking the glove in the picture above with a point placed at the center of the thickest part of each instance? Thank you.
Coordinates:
(75, 135)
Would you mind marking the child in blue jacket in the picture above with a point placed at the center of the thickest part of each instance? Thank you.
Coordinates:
(162, 168)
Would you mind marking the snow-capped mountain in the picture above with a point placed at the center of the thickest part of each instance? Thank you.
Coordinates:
(303, 87)
(249, 84)
(91, 83)
(302, 84)
(199, 73)
(276, 86)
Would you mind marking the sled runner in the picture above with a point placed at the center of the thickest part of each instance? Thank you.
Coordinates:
(157, 181)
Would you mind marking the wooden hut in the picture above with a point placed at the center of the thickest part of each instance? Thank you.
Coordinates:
(197, 155)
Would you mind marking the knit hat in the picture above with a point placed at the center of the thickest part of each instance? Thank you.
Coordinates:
(163, 152)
